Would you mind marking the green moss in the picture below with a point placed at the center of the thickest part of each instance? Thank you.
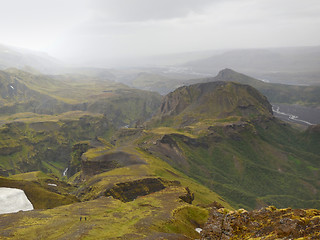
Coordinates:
(185, 220)
(40, 197)
(47, 145)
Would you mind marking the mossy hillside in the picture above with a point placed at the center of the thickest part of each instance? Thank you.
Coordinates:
(127, 106)
(67, 88)
(151, 166)
(46, 145)
(14, 91)
(49, 181)
(243, 161)
(92, 187)
(182, 219)
(40, 194)
(58, 94)
(243, 154)
(190, 104)
(311, 138)
(158, 215)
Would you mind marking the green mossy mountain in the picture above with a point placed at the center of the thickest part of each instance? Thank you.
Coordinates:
(190, 104)
(43, 94)
(226, 137)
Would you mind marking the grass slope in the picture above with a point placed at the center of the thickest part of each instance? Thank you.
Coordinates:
(26, 92)
(45, 142)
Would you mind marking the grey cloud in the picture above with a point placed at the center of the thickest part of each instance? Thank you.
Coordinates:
(95, 29)
(144, 10)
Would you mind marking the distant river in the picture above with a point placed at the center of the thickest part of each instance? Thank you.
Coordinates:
(297, 114)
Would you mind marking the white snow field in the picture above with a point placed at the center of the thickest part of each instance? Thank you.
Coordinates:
(13, 200)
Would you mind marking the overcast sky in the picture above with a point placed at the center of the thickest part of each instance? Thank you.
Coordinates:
(115, 29)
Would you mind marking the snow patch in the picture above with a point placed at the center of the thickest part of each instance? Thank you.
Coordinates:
(12, 87)
(13, 200)
(52, 184)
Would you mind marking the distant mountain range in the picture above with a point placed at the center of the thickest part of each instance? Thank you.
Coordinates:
(32, 61)
(275, 92)
(299, 65)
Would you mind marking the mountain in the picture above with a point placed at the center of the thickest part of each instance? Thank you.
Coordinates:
(224, 135)
(291, 103)
(298, 65)
(24, 59)
(190, 104)
(44, 94)
(276, 93)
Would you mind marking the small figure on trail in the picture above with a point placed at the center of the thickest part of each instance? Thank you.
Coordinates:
(80, 219)
(85, 218)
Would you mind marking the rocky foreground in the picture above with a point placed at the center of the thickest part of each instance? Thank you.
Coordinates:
(267, 223)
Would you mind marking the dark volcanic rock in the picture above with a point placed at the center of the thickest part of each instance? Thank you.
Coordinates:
(128, 191)
(267, 222)
(188, 197)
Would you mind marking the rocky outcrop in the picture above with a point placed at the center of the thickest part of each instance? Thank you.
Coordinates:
(267, 222)
(128, 191)
(188, 197)
(77, 150)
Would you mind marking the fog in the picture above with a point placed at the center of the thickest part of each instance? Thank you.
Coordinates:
(111, 32)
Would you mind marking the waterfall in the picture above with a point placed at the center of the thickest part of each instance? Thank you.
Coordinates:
(65, 172)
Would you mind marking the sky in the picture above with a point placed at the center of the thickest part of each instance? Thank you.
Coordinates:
(111, 30)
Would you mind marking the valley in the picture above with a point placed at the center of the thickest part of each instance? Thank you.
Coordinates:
(160, 120)
(99, 159)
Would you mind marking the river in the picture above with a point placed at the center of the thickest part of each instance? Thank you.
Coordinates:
(297, 114)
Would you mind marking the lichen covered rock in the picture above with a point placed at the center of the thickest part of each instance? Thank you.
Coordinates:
(267, 223)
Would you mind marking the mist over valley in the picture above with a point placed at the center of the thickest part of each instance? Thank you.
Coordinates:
(160, 119)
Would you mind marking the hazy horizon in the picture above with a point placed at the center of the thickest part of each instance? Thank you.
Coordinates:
(112, 31)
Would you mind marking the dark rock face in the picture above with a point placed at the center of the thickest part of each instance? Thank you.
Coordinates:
(267, 222)
(188, 197)
(128, 191)
(108, 162)
(77, 150)
(170, 151)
